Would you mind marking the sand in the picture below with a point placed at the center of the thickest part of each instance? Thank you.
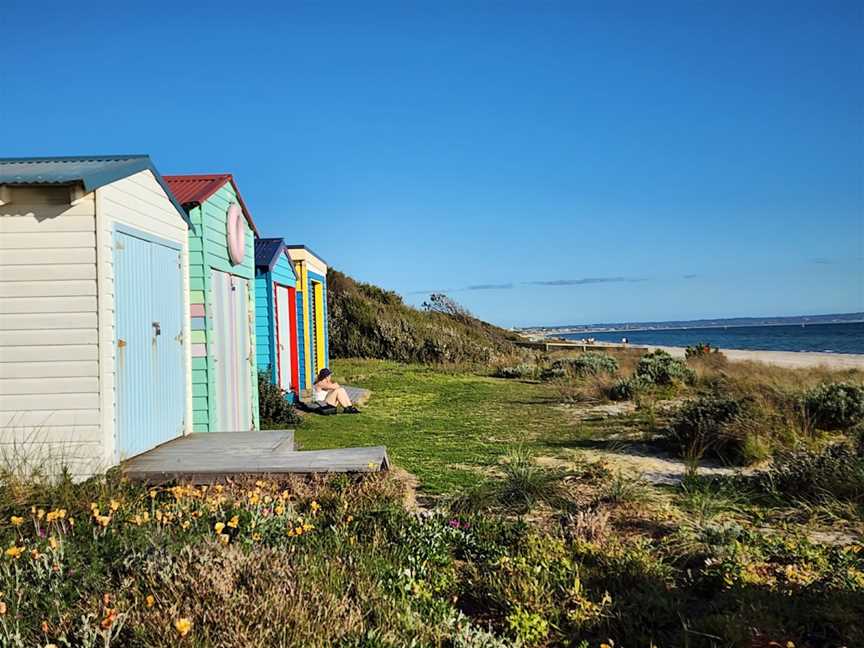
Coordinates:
(792, 359)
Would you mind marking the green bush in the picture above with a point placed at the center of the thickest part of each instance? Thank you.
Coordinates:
(836, 472)
(628, 388)
(660, 368)
(368, 322)
(553, 373)
(835, 406)
(590, 363)
(523, 371)
(274, 410)
(701, 426)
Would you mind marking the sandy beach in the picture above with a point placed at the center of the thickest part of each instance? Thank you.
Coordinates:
(793, 359)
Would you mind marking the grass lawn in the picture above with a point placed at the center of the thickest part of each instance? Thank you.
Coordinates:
(443, 427)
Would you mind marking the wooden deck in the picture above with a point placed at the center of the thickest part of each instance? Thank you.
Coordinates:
(207, 457)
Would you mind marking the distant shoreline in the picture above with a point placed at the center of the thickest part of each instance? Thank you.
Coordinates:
(566, 330)
(790, 359)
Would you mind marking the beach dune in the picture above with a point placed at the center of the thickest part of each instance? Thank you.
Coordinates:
(791, 359)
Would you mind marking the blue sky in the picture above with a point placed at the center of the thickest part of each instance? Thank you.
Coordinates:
(548, 163)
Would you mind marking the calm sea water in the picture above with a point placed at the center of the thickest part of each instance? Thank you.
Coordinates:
(834, 338)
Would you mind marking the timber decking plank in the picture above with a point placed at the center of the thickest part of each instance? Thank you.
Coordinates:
(208, 456)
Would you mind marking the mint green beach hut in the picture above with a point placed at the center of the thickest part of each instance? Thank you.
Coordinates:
(222, 302)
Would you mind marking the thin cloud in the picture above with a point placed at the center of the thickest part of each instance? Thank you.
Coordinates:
(690, 276)
(822, 261)
(586, 281)
(502, 286)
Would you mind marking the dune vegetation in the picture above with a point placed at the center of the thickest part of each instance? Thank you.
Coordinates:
(588, 500)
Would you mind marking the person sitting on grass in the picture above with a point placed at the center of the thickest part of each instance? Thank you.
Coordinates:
(326, 391)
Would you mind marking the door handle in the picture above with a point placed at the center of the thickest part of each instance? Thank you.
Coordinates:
(157, 329)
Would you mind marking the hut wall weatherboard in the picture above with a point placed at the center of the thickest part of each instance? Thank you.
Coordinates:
(86, 376)
(222, 295)
(313, 330)
(276, 315)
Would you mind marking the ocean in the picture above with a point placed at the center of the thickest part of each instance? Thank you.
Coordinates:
(830, 338)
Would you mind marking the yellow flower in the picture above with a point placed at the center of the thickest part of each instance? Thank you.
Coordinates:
(14, 552)
(314, 506)
(233, 522)
(40, 513)
(34, 554)
(152, 494)
(790, 644)
(150, 601)
(218, 527)
(224, 538)
(16, 521)
(279, 509)
(256, 537)
(114, 505)
(52, 542)
(71, 521)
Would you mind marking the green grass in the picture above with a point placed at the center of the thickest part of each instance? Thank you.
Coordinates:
(444, 427)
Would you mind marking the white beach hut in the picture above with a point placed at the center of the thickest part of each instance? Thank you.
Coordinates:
(94, 312)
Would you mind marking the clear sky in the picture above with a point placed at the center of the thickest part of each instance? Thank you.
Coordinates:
(548, 163)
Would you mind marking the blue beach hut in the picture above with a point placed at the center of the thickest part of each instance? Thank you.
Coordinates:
(276, 315)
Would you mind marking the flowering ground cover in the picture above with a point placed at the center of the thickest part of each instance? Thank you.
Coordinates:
(504, 550)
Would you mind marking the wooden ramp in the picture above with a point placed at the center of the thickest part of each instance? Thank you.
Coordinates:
(206, 457)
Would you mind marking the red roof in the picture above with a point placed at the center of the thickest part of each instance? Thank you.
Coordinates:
(196, 189)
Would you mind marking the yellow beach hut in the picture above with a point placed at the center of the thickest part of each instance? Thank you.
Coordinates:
(313, 346)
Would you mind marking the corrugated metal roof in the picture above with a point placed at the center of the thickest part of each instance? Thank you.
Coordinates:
(196, 189)
(93, 171)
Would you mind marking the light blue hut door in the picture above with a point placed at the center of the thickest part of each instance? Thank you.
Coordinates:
(151, 380)
(231, 353)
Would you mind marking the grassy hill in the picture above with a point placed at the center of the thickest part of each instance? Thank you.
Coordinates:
(369, 322)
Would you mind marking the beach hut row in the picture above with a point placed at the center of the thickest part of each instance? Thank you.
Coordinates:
(136, 308)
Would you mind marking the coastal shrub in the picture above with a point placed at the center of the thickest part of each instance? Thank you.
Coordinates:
(274, 410)
(521, 371)
(835, 406)
(660, 368)
(367, 322)
(628, 388)
(553, 373)
(587, 364)
(702, 425)
(835, 472)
